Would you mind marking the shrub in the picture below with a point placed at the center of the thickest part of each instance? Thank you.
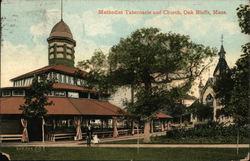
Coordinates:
(210, 129)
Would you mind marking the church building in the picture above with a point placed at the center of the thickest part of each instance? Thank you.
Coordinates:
(207, 94)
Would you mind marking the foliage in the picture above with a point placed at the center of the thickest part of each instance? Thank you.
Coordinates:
(99, 75)
(150, 101)
(156, 64)
(243, 13)
(232, 87)
(209, 130)
(201, 111)
(36, 97)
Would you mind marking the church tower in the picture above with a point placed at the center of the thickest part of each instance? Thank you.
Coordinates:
(222, 64)
(61, 45)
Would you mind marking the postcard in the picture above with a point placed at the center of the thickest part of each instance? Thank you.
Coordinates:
(103, 79)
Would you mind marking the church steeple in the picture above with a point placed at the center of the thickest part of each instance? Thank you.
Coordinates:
(222, 52)
(222, 64)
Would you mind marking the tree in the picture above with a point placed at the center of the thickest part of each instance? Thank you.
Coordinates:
(156, 63)
(243, 13)
(201, 111)
(98, 72)
(233, 86)
(36, 97)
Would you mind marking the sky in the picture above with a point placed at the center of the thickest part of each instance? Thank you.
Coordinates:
(27, 25)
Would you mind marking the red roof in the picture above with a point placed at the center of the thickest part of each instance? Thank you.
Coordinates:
(163, 116)
(64, 106)
(57, 67)
(72, 87)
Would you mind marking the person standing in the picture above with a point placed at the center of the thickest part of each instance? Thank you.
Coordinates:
(89, 135)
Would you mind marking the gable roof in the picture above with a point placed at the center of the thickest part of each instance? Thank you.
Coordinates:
(161, 115)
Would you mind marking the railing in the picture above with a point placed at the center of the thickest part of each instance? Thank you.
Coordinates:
(100, 134)
(4, 137)
(54, 137)
(103, 134)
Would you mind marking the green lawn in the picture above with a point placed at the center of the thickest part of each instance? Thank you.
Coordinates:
(171, 154)
(165, 140)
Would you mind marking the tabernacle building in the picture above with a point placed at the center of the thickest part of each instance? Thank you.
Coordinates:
(74, 106)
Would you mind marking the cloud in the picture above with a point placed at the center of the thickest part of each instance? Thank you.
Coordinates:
(96, 24)
(19, 58)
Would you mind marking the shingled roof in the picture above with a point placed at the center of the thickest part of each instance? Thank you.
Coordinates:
(56, 67)
(64, 106)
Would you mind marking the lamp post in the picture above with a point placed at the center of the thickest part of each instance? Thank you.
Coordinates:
(43, 128)
(138, 138)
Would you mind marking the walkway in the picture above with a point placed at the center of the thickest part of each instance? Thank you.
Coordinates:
(83, 144)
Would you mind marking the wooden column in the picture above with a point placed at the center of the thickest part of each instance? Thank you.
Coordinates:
(102, 122)
(106, 123)
(54, 124)
(162, 125)
(115, 131)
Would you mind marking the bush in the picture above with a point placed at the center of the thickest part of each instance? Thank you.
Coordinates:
(210, 129)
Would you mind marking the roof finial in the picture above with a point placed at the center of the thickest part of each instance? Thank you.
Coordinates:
(61, 9)
(222, 39)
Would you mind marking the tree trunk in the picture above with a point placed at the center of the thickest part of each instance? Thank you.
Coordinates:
(152, 126)
(181, 121)
(147, 131)
(132, 127)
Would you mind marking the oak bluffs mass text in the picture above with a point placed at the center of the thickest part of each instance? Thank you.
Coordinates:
(163, 12)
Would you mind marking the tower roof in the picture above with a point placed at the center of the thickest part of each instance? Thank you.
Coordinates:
(222, 64)
(222, 52)
(62, 30)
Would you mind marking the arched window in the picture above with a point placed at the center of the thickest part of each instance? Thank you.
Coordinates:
(209, 100)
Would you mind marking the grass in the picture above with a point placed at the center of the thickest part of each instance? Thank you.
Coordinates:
(166, 154)
(165, 140)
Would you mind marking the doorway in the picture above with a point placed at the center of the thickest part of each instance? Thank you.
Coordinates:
(35, 129)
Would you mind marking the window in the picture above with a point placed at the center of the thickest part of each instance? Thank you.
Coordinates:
(78, 82)
(94, 95)
(18, 93)
(51, 93)
(22, 82)
(71, 80)
(60, 78)
(83, 94)
(60, 93)
(53, 75)
(6, 93)
(209, 100)
(63, 78)
(67, 79)
(28, 81)
(57, 77)
(82, 82)
(73, 94)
